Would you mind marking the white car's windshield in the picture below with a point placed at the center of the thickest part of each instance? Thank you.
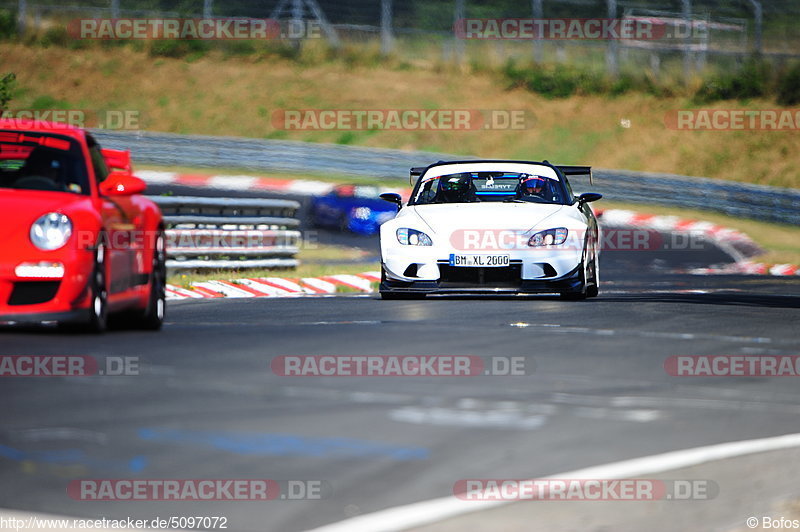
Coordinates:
(471, 187)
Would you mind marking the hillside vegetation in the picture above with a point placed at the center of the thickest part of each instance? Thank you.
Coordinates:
(223, 93)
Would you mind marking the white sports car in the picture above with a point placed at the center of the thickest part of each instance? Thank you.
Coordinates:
(491, 227)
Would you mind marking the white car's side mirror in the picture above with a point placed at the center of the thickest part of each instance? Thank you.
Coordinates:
(393, 197)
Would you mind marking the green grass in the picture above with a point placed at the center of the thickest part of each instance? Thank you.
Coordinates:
(579, 129)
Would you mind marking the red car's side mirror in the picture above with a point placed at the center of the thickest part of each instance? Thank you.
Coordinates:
(122, 184)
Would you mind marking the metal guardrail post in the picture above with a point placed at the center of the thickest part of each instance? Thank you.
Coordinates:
(686, 9)
(459, 43)
(759, 23)
(386, 27)
(538, 43)
(22, 17)
(612, 47)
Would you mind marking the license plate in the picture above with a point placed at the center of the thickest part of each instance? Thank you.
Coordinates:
(479, 261)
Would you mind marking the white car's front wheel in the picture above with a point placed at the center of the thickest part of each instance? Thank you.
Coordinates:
(387, 294)
(590, 279)
(401, 295)
(594, 286)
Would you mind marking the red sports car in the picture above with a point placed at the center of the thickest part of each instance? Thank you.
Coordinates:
(79, 242)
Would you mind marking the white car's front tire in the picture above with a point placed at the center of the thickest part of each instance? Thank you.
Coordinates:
(590, 280)
(388, 294)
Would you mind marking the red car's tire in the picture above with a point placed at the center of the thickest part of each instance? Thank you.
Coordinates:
(98, 321)
(152, 318)
(98, 306)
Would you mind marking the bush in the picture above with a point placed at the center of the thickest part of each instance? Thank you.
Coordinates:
(111, 44)
(559, 81)
(55, 36)
(177, 49)
(8, 23)
(356, 56)
(753, 80)
(789, 86)
(7, 82)
(238, 48)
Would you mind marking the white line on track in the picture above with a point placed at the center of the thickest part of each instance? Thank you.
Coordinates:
(431, 511)
(453, 417)
(647, 334)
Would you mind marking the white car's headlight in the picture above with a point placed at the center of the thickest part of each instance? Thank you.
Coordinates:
(551, 237)
(412, 237)
(51, 231)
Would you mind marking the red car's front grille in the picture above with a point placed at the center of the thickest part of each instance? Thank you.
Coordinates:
(33, 292)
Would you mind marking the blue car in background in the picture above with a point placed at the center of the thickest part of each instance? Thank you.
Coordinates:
(353, 208)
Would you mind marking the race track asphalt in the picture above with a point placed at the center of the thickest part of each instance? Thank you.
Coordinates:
(206, 404)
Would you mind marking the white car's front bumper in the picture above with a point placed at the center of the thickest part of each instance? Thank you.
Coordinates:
(428, 269)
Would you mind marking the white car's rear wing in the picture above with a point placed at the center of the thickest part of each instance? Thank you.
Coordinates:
(568, 170)
(578, 170)
(416, 171)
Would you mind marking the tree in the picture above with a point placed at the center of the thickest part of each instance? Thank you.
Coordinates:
(6, 88)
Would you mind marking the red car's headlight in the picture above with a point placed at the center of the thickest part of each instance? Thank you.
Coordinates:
(51, 231)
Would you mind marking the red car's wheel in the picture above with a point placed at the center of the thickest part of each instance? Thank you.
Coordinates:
(98, 319)
(153, 316)
(98, 306)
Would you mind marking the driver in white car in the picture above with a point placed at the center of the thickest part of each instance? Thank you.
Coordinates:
(534, 186)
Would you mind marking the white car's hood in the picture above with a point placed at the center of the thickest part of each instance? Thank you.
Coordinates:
(512, 216)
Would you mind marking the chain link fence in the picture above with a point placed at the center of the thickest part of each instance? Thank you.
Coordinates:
(698, 33)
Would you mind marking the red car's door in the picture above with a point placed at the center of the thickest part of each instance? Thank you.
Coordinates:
(121, 217)
(119, 220)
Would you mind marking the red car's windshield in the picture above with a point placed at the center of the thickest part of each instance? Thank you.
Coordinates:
(41, 161)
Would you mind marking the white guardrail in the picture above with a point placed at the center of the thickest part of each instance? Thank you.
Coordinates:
(230, 233)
